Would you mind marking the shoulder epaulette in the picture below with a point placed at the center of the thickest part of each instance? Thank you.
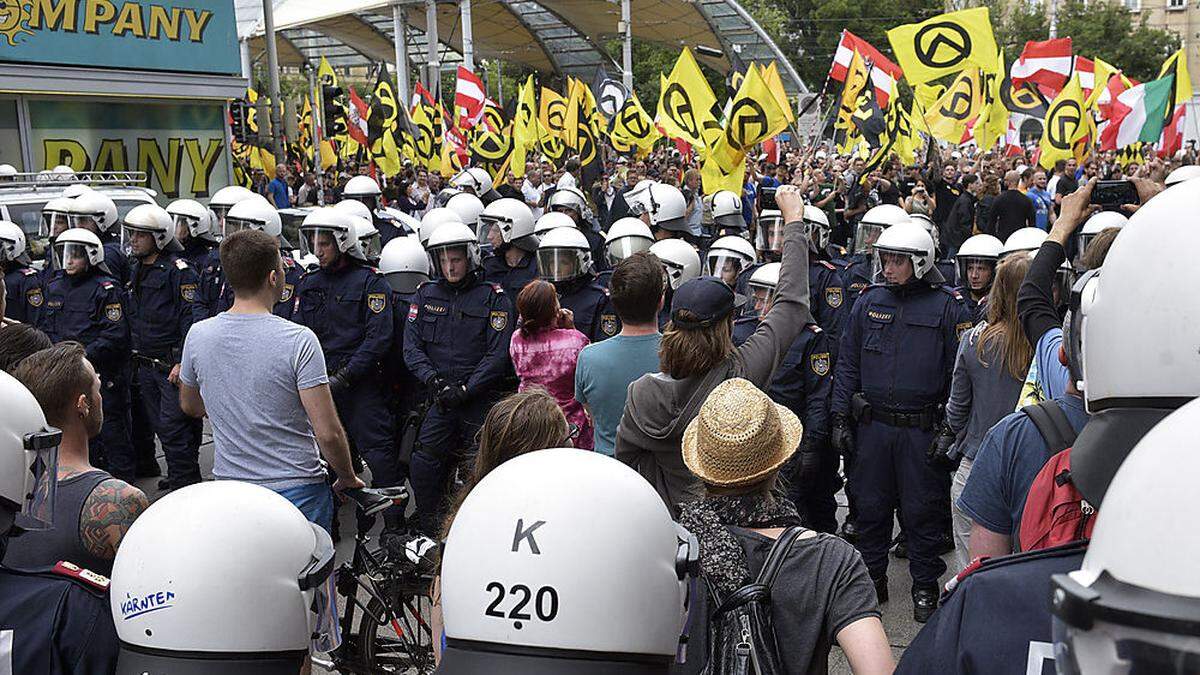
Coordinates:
(828, 265)
(181, 263)
(107, 285)
(814, 328)
(952, 292)
(985, 564)
(288, 263)
(87, 577)
(28, 271)
(497, 288)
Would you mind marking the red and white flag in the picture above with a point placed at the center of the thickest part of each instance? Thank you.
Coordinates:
(1086, 70)
(420, 93)
(1047, 63)
(356, 118)
(884, 73)
(1012, 141)
(469, 98)
(1172, 133)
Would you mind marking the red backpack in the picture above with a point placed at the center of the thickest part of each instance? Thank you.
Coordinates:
(1055, 513)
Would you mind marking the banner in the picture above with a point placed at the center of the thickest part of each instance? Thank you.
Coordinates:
(1064, 125)
(945, 44)
(687, 108)
(948, 118)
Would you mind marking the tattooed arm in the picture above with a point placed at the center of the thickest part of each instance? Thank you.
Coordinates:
(107, 514)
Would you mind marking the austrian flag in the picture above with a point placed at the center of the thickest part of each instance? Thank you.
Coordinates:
(356, 118)
(469, 98)
(1047, 63)
(883, 75)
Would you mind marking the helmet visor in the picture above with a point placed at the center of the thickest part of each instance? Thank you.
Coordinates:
(313, 239)
(561, 264)
(885, 263)
(53, 223)
(568, 208)
(185, 223)
(975, 274)
(454, 261)
(725, 265)
(1112, 648)
(371, 245)
(623, 247)
(9, 249)
(865, 237)
(318, 578)
(219, 210)
(71, 256)
(762, 296)
(233, 224)
(405, 282)
(85, 220)
(818, 235)
(1085, 240)
(491, 231)
(1061, 291)
(41, 480)
(770, 234)
(674, 273)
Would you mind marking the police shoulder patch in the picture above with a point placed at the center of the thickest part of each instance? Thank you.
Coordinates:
(834, 296)
(181, 263)
(498, 289)
(608, 324)
(106, 285)
(413, 310)
(812, 327)
(498, 320)
(112, 312)
(288, 291)
(376, 302)
(828, 265)
(34, 297)
(188, 292)
(819, 363)
(29, 271)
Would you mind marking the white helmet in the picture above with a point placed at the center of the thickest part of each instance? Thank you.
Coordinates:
(327, 220)
(434, 219)
(571, 199)
(208, 547)
(927, 223)
(476, 179)
(816, 226)
(874, 222)
(1182, 173)
(1098, 223)
(563, 254)
(78, 243)
(769, 235)
(56, 216)
(728, 257)
(907, 239)
(28, 460)
(194, 216)
(253, 214)
(551, 220)
(1028, 239)
(762, 284)
(468, 207)
(93, 208)
(7, 170)
(355, 208)
(1137, 358)
(152, 219)
(404, 264)
(511, 220)
(63, 171)
(666, 206)
(597, 543)
(727, 210)
(12, 241)
(1132, 606)
(224, 199)
(980, 248)
(680, 261)
(76, 189)
(638, 198)
(626, 237)
(449, 236)
(368, 244)
(359, 187)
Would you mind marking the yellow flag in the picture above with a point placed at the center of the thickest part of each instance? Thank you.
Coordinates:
(425, 141)
(1064, 124)
(551, 145)
(754, 116)
(928, 94)
(1177, 64)
(992, 124)
(328, 156)
(632, 125)
(325, 75)
(714, 178)
(575, 102)
(524, 131)
(844, 132)
(553, 114)
(945, 44)
(686, 105)
(1103, 73)
(775, 83)
(949, 116)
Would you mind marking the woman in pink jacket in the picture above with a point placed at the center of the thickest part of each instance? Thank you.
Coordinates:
(544, 352)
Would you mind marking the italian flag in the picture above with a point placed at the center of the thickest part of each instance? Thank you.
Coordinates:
(1138, 114)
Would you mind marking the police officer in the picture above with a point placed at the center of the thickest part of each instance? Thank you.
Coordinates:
(944, 265)
(194, 229)
(625, 237)
(571, 201)
(727, 213)
(96, 212)
(893, 373)
(223, 200)
(858, 273)
(22, 283)
(84, 303)
(348, 305)
(468, 208)
(251, 214)
(802, 382)
(456, 342)
(507, 226)
(55, 217)
(681, 263)
(728, 257)
(52, 621)
(161, 295)
(976, 264)
(366, 190)
(476, 181)
(827, 293)
(665, 211)
(565, 259)
(433, 219)
(405, 266)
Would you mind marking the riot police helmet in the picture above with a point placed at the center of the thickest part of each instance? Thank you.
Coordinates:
(768, 238)
(474, 179)
(874, 222)
(78, 249)
(1183, 173)
(359, 187)
(434, 219)
(551, 220)
(667, 207)
(507, 221)
(762, 284)
(254, 214)
(153, 220)
(28, 461)
(1027, 239)
(904, 241)
(55, 217)
(12, 241)
(816, 226)
(224, 199)
(93, 210)
(1097, 223)
(570, 201)
(626, 236)
(563, 254)
(368, 244)
(404, 264)
(453, 251)
(468, 207)
(327, 227)
(728, 257)
(637, 199)
(976, 262)
(193, 218)
(727, 210)
(355, 208)
(680, 261)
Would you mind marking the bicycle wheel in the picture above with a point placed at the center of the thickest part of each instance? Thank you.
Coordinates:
(403, 643)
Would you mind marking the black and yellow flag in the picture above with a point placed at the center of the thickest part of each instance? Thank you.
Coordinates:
(632, 126)
(426, 139)
(857, 80)
(580, 130)
(948, 118)
(553, 113)
(945, 44)
(687, 108)
(524, 126)
(755, 114)
(1065, 125)
(382, 125)
(551, 145)
(491, 142)
(897, 135)
(992, 124)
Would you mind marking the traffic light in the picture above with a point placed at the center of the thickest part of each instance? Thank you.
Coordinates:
(237, 115)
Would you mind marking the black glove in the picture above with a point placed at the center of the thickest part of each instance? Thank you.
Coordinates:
(941, 453)
(807, 464)
(338, 382)
(451, 396)
(841, 435)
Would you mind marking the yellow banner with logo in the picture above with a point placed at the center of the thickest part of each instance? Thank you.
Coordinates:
(945, 44)
(632, 125)
(947, 119)
(1064, 125)
(686, 103)
(754, 116)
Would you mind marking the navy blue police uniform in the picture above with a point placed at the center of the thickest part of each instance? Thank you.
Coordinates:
(24, 292)
(389, 228)
(856, 276)
(161, 303)
(217, 294)
(591, 303)
(596, 244)
(512, 279)
(803, 383)
(405, 391)
(826, 294)
(56, 622)
(948, 270)
(197, 252)
(90, 308)
(455, 335)
(115, 258)
(978, 308)
(605, 278)
(996, 619)
(892, 377)
(349, 308)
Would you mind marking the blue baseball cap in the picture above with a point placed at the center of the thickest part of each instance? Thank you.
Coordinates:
(707, 298)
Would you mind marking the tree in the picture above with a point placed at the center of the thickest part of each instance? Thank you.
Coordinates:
(1106, 30)
(1016, 22)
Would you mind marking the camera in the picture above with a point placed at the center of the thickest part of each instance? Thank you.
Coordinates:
(766, 198)
(1109, 195)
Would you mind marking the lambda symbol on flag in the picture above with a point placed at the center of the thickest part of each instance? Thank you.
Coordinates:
(682, 113)
(739, 122)
(942, 45)
(1062, 123)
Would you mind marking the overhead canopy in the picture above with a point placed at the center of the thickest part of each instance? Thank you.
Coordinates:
(558, 36)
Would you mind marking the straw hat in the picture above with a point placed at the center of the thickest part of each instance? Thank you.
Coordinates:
(740, 436)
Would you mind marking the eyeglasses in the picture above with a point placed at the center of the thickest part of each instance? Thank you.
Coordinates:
(572, 434)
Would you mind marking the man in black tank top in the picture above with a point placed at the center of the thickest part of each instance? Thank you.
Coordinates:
(92, 509)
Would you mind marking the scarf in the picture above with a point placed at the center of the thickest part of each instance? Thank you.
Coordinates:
(722, 560)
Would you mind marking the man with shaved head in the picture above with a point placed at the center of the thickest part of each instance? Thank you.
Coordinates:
(1011, 211)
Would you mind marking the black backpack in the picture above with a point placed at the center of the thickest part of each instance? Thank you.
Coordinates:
(741, 635)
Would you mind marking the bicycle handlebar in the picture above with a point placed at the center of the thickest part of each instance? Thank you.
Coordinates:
(375, 500)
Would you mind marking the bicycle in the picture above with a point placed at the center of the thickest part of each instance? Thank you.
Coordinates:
(387, 590)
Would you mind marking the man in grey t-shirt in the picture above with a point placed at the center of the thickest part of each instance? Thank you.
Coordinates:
(261, 380)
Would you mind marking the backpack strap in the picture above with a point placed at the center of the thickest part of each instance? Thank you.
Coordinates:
(1052, 424)
(779, 552)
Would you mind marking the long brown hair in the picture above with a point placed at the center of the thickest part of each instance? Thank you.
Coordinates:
(520, 423)
(1003, 324)
(684, 352)
(537, 305)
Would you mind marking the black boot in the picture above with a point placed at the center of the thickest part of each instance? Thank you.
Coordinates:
(946, 543)
(881, 589)
(901, 548)
(925, 602)
(849, 531)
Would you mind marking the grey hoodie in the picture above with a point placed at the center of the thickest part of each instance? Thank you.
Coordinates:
(659, 408)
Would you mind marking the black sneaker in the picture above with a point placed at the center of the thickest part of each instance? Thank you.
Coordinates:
(925, 602)
(901, 548)
(881, 590)
(849, 531)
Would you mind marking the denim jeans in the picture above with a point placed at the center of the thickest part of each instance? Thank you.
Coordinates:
(315, 501)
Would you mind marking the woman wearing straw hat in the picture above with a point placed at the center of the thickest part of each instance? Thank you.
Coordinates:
(736, 446)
